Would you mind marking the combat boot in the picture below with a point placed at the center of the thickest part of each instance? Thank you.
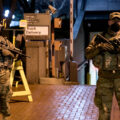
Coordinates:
(7, 114)
(5, 109)
(5, 117)
(104, 116)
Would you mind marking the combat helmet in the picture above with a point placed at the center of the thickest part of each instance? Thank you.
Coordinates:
(114, 15)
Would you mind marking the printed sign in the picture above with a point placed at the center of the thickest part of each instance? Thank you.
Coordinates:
(23, 23)
(36, 30)
(38, 26)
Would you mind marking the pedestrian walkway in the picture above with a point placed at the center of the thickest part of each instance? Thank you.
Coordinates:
(58, 102)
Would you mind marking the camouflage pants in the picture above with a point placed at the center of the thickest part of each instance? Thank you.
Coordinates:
(5, 92)
(104, 95)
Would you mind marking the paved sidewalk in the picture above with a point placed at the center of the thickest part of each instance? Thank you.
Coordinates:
(58, 102)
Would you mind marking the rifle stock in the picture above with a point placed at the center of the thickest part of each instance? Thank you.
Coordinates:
(105, 39)
(15, 50)
(115, 42)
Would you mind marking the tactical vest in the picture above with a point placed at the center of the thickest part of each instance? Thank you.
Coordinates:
(107, 61)
(5, 61)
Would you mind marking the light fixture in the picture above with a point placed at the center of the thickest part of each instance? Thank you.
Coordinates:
(13, 16)
(52, 9)
(6, 13)
(37, 11)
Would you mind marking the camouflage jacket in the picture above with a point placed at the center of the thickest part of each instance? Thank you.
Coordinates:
(104, 59)
(6, 56)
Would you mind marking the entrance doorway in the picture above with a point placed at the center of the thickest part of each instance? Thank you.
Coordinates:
(93, 71)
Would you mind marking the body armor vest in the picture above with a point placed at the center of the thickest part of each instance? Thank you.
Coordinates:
(5, 61)
(107, 61)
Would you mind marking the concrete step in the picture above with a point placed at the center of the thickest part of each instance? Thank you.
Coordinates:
(56, 81)
(51, 81)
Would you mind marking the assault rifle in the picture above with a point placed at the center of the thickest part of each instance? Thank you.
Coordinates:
(15, 50)
(115, 42)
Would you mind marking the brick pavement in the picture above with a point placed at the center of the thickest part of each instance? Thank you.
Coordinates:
(58, 102)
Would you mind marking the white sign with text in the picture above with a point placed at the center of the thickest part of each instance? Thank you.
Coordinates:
(36, 30)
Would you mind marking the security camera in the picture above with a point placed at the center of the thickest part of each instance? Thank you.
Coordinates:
(52, 9)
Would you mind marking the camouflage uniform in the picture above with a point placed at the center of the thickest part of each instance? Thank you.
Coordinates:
(107, 58)
(5, 66)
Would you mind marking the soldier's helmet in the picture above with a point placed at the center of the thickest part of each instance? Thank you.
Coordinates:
(114, 16)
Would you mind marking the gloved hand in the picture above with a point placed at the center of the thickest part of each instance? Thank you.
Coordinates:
(6, 52)
(106, 46)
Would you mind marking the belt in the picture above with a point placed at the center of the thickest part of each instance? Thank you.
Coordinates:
(110, 73)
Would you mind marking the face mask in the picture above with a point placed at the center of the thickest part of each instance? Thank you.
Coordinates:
(115, 27)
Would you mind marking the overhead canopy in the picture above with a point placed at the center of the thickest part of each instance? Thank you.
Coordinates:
(62, 6)
(102, 5)
(88, 9)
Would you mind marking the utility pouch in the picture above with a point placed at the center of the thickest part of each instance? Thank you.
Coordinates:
(118, 61)
(110, 61)
(98, 61)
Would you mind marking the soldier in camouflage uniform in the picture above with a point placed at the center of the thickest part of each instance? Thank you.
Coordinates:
(106, 57)
(6, 57)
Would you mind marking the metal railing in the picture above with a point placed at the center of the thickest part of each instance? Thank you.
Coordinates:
(81, 65)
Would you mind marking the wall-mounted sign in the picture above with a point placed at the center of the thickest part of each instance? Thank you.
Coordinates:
(38, 26)
(37, 30)
(23, 23)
